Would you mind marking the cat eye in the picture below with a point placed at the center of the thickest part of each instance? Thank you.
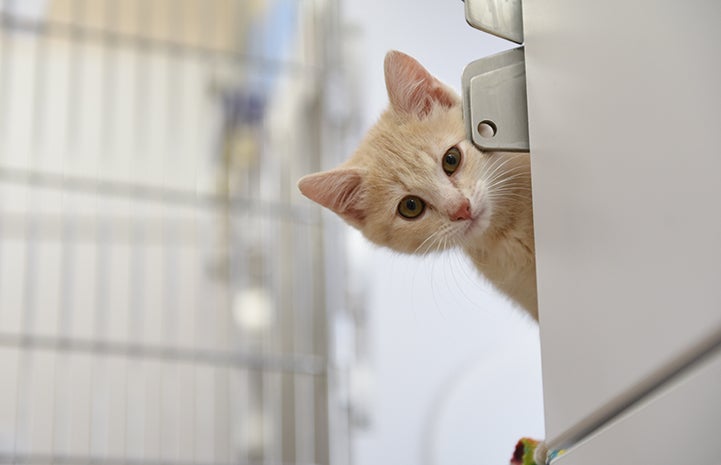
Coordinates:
(411, 207)
(451, 160)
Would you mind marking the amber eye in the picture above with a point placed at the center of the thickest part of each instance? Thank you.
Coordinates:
(411, 207)
(451, 160)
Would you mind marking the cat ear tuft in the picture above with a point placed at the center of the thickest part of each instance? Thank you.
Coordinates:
(412, 89)
(340, 190)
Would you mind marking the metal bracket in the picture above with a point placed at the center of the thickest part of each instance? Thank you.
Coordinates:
(502, 18)
(494, 102)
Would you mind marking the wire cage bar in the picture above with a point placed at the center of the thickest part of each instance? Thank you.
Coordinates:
(164, 295)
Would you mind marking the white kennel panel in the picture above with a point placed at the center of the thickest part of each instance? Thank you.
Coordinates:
(624, 125)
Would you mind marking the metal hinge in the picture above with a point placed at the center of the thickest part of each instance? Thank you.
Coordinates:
(494, 88)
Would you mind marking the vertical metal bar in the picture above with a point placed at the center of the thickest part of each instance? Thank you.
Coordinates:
(4, 85)
(302, 403)
(225, 27)
(325, 420)
(41, 80)
(220, 327)
(108, 112)
(173, 16)
(25, 364)
(105, 110)
(201, 290)
(29, 302)
(219, 24)
(40, 77)
(174, 135)
(136, 286)
(67, 314)
(6, 53)
(143, 19)
(305, 421)
(68, 237)
(75, 81)
(135, 281)
(135, 319)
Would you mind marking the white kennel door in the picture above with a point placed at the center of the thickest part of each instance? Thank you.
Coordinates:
(624, 125)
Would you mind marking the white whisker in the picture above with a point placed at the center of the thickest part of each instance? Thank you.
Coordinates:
(435, 242)
(496, 169)
(508, 178)
(505, 181)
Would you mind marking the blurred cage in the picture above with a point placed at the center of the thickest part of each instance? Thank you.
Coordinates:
(164, 294)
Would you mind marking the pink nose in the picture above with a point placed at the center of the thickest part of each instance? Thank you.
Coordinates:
(463, 212)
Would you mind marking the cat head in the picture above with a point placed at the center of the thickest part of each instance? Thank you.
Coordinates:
(414, 184)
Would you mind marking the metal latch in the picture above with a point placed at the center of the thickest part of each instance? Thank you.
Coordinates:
(502, 18)
(495, 109)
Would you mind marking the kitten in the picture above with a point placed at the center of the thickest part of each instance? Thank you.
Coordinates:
(416, 185)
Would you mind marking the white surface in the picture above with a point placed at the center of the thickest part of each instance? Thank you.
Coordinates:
(457, 371)
(445, 357)
(677, 425)
(624, 125)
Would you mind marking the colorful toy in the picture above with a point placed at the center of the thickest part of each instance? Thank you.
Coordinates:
(531, 452)
(523, 455)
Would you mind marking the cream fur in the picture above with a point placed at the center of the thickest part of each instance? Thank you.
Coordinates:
(402, 155)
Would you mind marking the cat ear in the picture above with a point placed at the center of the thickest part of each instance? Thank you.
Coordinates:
(412, 89)
(341, 190)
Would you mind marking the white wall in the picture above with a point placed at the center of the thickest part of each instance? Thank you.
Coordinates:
(456, 368)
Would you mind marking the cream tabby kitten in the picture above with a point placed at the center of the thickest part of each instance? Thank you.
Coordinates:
(416, 185)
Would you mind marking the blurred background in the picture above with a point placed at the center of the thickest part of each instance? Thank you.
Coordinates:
(167, 296)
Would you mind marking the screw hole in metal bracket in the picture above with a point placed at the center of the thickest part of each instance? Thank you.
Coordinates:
(487, 129)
